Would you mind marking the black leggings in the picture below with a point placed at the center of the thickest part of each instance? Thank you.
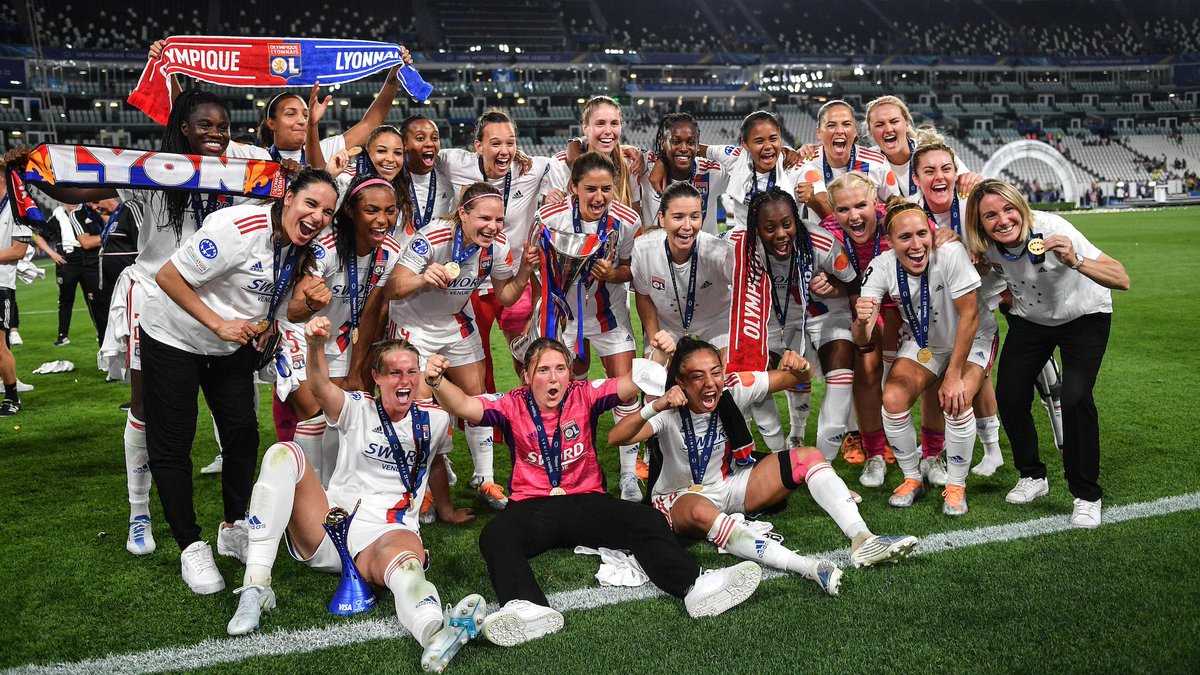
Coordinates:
(171, 379)
(530, 527)
(1027, 347)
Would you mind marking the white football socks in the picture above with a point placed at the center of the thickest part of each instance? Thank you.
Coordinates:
(766, 416)
(329, 454)
(798, 401)
(829, 491)
(628, 453)
(418, 605)
(960, 444)
(479, 441)
(988, 430)
(309, 436)
(903, 438)
(835, 410)
(137, 467)
(271, 508)
(733, 536)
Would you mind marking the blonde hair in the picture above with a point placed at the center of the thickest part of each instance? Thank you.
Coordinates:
(850, 180)
(896, 206)
(929, 140)
(622, 178)
(977, 239)
(885, 100)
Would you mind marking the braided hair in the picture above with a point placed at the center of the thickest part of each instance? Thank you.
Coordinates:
(663, 135)
(173, 140)
(775, 194)
(343, 220)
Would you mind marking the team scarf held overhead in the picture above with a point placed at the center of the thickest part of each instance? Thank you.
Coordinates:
(24, 210)
(266, 62)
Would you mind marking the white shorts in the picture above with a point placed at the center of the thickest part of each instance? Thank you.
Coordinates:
(729, 495)
(615, 341)
(290, 367)
(339, 364)
(983, 352)
(821, 330)
(366, 528)
(458, 350)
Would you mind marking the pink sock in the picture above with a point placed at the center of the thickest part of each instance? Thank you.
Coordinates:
(285, 420)
(932, 442)
(874, 443)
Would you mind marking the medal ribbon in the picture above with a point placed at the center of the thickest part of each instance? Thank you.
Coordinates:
(551, 449)
(955, 214)
(376, 263)
(108, 227)
(203, 207)
(685, 311)
(410, 475)
(852, 254)
(754, 182)
(460, 255)
(422, 219)
(507, 181)
(912, 169)
(585, 279)
(283, 275)
(828, 170)
(920, 329)
(698, 453)
(1037, 259)
(275, 155)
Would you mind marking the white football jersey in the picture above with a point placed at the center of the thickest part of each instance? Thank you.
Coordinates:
(444, 312)
(558, 177)
(746, 388)
(373, 270)
(330, 146)
(864, 160)
(666, 283)
(710, 179)
(1051, 293)
(828, 257)
(9, 230)
(366, 467)
(606, 306)
(230, 261)
(906, 183)
(745, 182)
(951, 275)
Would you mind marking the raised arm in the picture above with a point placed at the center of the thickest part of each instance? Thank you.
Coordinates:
(448, 395)
(793, 371)
(328, 394)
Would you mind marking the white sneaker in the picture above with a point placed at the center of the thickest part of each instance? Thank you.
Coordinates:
(199, 569)
(463, 623)
(1086, 514)
(217, 465)
(254, 599)
(14, 338)
(719, 590)
(233, 541)
(1026, 490)
(140, 540)
(877, 550)
(520, 621)
(933, 470)
(874, 472)
(23, 388)
(630, 490)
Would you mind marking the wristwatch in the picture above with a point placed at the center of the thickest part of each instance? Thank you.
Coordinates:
(1078, 261)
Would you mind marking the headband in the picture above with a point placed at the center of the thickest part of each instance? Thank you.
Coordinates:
(371, 183)
(486, 194)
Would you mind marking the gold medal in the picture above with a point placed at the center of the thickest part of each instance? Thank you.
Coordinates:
(695, 488)
(354, 151)
(925, 355)
(1036, 246)
(452, 269)
(354, 335)
(262, 326)
(557, 492)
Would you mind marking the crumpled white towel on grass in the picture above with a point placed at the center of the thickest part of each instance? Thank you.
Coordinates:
(617, 568)
(54, 367)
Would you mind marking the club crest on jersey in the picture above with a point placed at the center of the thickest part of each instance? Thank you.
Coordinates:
(207, 248)
(317, 251)
(420, 246)
(356, 396)
(571, 431)
(658, 283)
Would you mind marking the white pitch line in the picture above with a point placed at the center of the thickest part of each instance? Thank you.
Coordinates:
(282, 642)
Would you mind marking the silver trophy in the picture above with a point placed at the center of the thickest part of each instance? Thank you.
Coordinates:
(565, 256)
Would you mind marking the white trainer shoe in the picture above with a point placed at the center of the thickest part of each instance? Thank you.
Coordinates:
(1026, 490)
(874, 472)
(1086, 514)
(630, 490)
(463, 623)
(719, 590)
(254, 599)
(14, 338)
(988, 465)
(199, 569)
(23, 388)
(878, 550)
(141, 539)
(216, 466)
(933, 470)
(232, 542)
(520, 621)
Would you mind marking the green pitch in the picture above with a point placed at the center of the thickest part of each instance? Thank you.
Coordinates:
(1124, 598)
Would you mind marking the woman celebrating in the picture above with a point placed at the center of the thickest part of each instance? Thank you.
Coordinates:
(1059, 300)
(602, 121)
(681, 273)
(838, 154)
(599, 300)
(947, 338)
(384, 537)
(676, 144)
(699, 490)
(808, 273)
(439, 270)
(352, 263)
(762, 168)
(220, 293)
(559, 499)
(890, 124)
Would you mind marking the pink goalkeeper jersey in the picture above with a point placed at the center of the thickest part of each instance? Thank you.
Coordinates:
(581, 474)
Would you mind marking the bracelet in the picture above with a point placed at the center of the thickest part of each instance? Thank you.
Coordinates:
(310, 307)
(648, 411)
(433, 385)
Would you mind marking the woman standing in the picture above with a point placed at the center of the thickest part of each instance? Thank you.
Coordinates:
(676, 146)
(837, 155)
(890, 124)
(1060, 283)
(602, 120)
(220, 293)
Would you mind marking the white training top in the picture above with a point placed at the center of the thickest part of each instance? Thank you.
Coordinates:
(558, 177)
(870, 162)
(828, 257)
(951, 276)
(606, 305)
(746, 388)
(330, 146)
(9, 230)
(374, 269)
(653, 271)
(710, 179)
(230, 261)
(156, 241)
(463, 168)
(743, 179)
(908, 188)
(365, 466)
(1052, 293)
(443, 312)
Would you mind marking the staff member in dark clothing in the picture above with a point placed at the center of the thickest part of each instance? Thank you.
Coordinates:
(118, 239)
(80, 246)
